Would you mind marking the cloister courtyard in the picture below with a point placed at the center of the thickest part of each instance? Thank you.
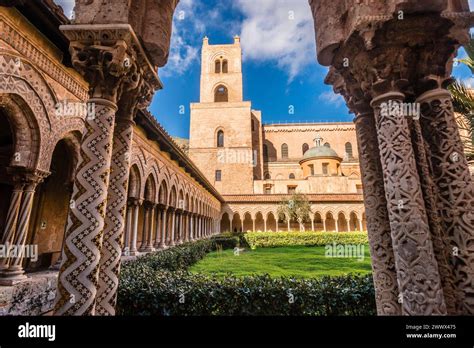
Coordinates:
(103, 212)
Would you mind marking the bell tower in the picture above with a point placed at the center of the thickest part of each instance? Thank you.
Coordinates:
(221, 72)
(223, 140)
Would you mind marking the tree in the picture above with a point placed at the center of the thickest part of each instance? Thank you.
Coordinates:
(296, 209)
(463, 102)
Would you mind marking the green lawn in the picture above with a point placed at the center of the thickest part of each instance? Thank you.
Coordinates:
(296, 261)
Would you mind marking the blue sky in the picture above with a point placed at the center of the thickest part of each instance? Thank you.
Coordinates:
(280, 68)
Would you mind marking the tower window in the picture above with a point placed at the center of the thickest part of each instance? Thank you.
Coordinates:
(292, 176)
(225, 67)
(268, 176)
(284, 151)
(218, 175)
(218, 67)
(311, 168)
(291, 190)
(253, 126)
(221, 94)
(220, 138)
(349, 150)
(327, 145)
(305, 148)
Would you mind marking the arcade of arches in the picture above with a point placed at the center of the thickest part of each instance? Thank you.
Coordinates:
(90, 186)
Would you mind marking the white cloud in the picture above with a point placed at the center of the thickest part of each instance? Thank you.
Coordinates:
(331, 98)
(469, 82)
(278, 30)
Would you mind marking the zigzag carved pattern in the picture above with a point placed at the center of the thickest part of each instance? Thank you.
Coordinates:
(114, 220)
(78, 279)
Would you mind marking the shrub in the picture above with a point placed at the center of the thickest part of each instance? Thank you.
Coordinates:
(159, 284)
(280, 239)
(147, 292)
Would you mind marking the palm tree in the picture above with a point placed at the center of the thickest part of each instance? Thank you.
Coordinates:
(463, 101)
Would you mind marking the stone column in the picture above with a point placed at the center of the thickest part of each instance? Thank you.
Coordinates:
(337, 223)
(150, 227)
(11, 221)
(115, 216)
(312, 224)
(324, 225)
(14, 272)
(136, 209)
(158, 229)
(163, 228)
(265, 225)
(79, 275)
(454, 190)
(186, 227)
(181, 227)
(361, 228)
(418, 277)
(191, 227)
(145, 226)
(378, 225)
(173, 226)
(289, 224)
(128, 230)
(253, 224)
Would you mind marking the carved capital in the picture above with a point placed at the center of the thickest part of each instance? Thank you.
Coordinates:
(111, 59)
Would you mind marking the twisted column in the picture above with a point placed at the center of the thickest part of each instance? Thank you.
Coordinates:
(11, 221)
(418, 277)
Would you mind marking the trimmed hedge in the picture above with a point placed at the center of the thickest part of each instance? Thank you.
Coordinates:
(159, 284)
(280, 239)
(147, 292)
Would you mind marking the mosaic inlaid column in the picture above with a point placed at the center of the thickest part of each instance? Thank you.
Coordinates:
(378, 226)
(115, 218)
(454, 188)
(417, 270)
(104, 68)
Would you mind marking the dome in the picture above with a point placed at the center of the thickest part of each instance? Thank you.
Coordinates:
(320, 151)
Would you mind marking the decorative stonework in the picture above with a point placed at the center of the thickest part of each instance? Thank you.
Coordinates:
(57, 72)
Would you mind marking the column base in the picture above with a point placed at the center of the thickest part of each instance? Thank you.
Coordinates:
(11, 277)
